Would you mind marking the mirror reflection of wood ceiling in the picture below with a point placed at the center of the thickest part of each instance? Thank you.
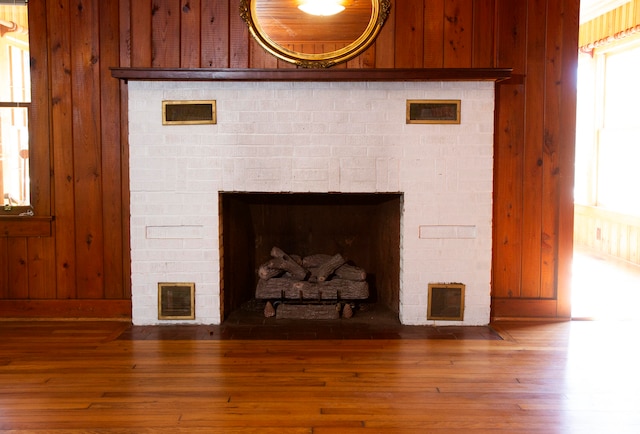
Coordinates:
(285, 24)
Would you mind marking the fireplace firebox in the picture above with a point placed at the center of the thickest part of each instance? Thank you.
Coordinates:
(362, 227)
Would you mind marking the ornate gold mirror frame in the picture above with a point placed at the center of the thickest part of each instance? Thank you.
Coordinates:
(284, 31)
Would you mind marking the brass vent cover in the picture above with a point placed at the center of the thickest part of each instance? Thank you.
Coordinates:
(176, 301)
(188, 112)
(446, 301)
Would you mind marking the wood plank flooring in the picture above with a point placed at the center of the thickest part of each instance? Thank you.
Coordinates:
(78, 377)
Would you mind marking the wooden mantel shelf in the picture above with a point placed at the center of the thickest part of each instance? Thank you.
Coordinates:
(294, 74)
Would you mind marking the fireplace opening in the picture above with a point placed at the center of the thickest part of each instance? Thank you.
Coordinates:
(362, 227)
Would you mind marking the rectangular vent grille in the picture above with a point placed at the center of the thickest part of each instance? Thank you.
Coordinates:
(188, 112)
(176, 301)
(446, 301)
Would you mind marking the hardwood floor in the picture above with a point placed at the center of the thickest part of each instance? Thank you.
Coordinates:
(566, 377)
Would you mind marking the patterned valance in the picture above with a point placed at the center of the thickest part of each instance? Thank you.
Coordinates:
(611, 26)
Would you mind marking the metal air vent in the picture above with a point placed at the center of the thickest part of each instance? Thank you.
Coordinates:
(188, 112)
(446, 301)
(176, 301)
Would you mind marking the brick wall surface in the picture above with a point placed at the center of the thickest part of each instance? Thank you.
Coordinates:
(312, 137)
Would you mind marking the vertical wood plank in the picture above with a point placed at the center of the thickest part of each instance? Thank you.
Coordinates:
(366, 59)
(190, 20)
(141, 45)
(125, 212)
(511, 27)
(59, 26)
(507, 192)
(124, 32)
(533, 161)
(41, 268)
(259, 57)
(552, 114)
(39, 134)
(385, 42)
(509, 142)
(111, 154)
(409, 39)
(483, 52)
(458, 31)
(239, 38)
(434, 17)
(165, 33)
(214, 45)
(285, 64)
(87, 153)
(18, 264)
(566, 151)
(4, 268)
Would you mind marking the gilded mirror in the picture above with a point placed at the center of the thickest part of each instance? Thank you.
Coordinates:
(314, 39)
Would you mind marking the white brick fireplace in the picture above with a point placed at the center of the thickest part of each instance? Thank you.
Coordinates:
(348, 137)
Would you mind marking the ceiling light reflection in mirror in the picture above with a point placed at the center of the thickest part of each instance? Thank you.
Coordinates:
(321, 8)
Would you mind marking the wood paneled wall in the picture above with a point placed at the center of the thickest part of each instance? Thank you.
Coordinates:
(534, 156)
(82, 269)
(79, 145)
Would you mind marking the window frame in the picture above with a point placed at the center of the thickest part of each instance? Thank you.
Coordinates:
(35, 219)
(599, 57)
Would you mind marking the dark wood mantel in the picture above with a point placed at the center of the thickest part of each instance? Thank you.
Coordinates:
(291, 74)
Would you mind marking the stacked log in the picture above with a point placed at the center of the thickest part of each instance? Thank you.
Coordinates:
(282, 263)
(319, 277)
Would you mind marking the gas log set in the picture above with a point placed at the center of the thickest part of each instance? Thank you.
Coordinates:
(319, 286)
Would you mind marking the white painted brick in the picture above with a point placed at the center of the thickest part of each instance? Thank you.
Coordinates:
(349, 150)
(309, 175)
(174, 232)
(447, 231)
(311, 137)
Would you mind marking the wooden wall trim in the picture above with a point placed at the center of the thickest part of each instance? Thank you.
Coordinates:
(16, 226)
(96, 309)
(506, 308)
(228, 74)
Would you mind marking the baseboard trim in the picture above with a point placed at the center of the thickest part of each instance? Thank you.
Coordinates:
(66, 309)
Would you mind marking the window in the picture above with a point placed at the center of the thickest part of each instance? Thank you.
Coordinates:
(608, 131)
(15, 97)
